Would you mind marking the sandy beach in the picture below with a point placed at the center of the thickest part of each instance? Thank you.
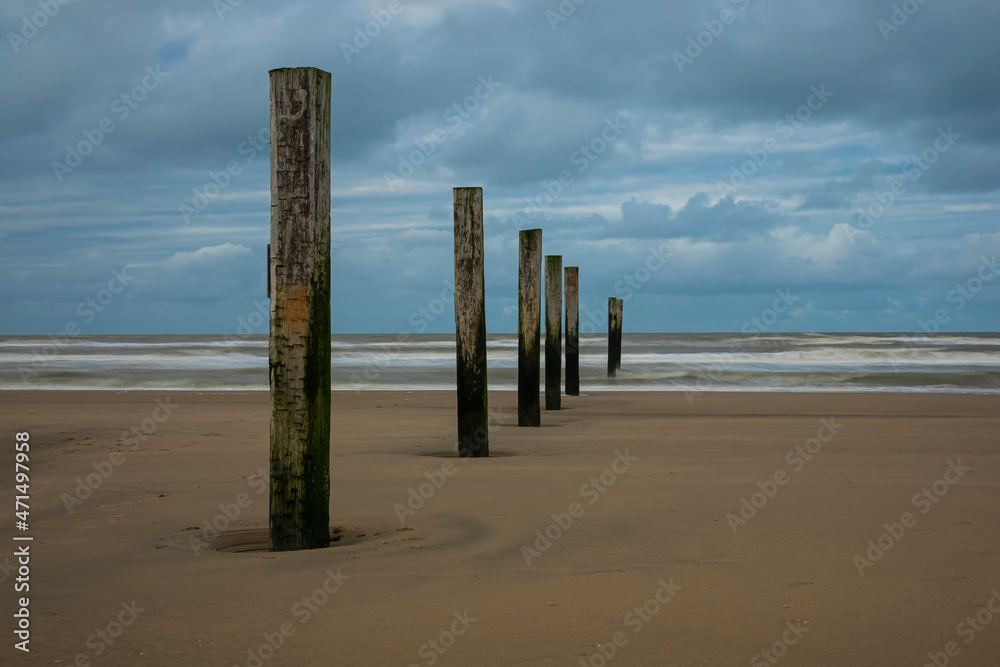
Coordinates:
(631, 528)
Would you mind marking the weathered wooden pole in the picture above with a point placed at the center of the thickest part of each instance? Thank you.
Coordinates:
(529, 320)
(612, 336)
(572, 331)
(618, 336)
(470, 324)
(553, 332)
(299, 345)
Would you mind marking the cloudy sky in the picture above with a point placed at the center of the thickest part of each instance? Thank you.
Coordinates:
(844, 154)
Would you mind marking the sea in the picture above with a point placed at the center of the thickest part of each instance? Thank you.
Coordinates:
(966, 363)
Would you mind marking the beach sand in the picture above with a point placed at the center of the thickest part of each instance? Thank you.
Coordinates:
(654, 525)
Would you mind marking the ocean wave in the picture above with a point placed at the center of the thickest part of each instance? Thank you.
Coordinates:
(886, 362)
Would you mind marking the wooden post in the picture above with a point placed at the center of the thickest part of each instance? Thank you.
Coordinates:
(299, 345)
(618, 336)
(612, 336)
(529, 320)
(470, 324)
(572, 331)
(553, 332)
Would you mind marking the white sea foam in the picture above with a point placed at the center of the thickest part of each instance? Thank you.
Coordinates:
(955, 363)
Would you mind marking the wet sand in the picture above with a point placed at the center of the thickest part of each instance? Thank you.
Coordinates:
(684, 533)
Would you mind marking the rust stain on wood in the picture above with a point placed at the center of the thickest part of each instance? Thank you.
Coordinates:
(293, 302)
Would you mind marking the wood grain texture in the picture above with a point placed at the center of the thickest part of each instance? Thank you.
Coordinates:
(612, 336)
(572, 276)
(470, 324)
(553, 331)
(299, 344)
(620, 307)
(529, 320)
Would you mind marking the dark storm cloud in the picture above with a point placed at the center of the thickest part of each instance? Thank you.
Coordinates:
(702, 85)
(840, 193)
(726, 219)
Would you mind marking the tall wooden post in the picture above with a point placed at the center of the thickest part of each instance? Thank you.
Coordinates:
(572, 331)
(299, 345)
(529, 321)
(470, 324)
(618, 336)
(612, 336)
(553, 332)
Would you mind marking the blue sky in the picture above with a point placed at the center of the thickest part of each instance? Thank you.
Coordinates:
(844, 153)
